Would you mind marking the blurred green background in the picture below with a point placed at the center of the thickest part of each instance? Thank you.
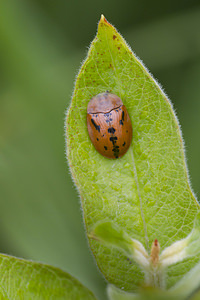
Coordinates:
(42, 44)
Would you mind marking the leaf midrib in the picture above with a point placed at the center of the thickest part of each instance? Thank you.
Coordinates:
(134, 165)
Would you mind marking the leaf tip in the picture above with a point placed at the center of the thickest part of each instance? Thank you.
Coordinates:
(103, 21)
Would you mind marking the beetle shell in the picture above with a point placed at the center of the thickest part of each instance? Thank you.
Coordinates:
(109, 125)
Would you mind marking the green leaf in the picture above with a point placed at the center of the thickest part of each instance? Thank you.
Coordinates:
(146, 294)
(182, 249)
(146, 192)
(188, 285)
(22, 279)
(117, 294)
(111, 235)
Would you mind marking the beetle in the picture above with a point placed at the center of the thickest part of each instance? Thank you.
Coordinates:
(109, 125)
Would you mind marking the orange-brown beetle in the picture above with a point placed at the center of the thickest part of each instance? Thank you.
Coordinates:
(109, 125)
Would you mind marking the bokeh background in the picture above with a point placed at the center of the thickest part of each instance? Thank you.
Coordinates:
(42, 44)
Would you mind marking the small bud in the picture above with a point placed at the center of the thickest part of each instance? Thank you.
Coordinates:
(155, 250)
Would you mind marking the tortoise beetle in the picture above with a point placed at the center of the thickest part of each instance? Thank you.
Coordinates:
(109, 125)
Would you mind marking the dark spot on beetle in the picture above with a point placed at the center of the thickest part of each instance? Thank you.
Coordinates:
(124, 144)
(114, 37)
(97, 127)
(116, 110)
(111, 130)
(121, 122)
(113, 139)
(108, 117)
(127, 131)
(116, 149)
(106, 148)
(123, 116)
(97, 139)
(96, 116)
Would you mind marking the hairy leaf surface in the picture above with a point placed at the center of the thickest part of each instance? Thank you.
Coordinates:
(146, 192)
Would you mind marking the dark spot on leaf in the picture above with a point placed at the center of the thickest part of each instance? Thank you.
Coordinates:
(114, 37)
(130, 262)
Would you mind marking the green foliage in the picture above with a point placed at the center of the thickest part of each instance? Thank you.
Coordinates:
(38, 58)
(188, 286)
(146, 192)
(40, 210)
(21, 279)
(145, 294)
(111, 235)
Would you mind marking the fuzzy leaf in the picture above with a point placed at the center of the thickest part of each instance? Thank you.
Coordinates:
(188, 285)
(146, 294)
(22, 279)
(146, 192)
(182, 249)
(113, 236)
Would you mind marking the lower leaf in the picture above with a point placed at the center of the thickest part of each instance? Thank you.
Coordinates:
(145, 294)
(22, 279)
